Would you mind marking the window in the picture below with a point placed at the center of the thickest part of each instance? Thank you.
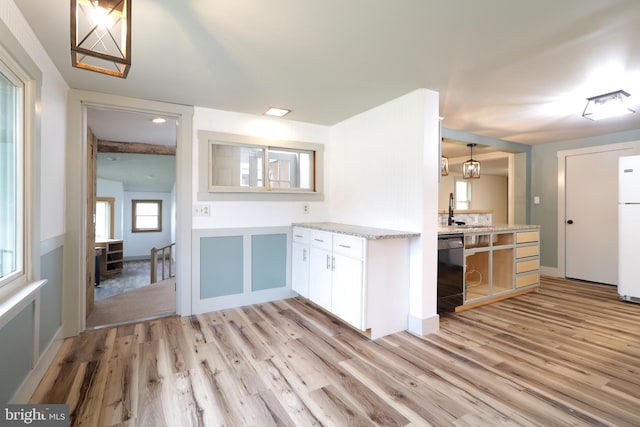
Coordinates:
(146, 216)
(239, 167)
(104, 218)
(463, 195)
(12, 232)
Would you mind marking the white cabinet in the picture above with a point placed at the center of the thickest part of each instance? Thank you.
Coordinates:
(347, 293)
(362, 281)
(300, 261)
(321, 268)
(336, 277)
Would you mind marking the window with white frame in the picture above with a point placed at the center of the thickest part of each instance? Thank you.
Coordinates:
(463, 194)
(12, 191)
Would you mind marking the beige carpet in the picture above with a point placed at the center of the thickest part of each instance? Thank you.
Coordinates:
(151, 301)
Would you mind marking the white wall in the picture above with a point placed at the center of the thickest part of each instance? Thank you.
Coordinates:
(174, 213)
(490, 192)
(53, 113)
(255, 213)
(384, 168)
(138, 245)
(115, 189)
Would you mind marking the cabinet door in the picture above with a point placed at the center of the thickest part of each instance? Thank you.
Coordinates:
(347, 297)
(300, 269)
(320, 277)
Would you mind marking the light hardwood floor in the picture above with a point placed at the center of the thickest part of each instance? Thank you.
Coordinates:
(566, 355)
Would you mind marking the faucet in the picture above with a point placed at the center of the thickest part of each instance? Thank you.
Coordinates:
(450, 221)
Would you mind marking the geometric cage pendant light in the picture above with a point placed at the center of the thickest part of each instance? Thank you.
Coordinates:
(471, 168)
(101, 36)
(610, 104)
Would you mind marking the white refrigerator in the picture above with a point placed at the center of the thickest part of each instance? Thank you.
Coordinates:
(629, 228)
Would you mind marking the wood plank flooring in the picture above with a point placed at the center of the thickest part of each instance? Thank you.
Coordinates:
(566, 355)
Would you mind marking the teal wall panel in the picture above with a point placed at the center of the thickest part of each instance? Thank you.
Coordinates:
(16, 350)
(221, 266)
(268, 261)
(50, 296)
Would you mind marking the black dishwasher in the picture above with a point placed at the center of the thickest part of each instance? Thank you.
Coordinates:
(450, 272)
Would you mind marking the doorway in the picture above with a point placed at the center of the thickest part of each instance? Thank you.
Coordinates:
(75, 273)
(588, 213)
(132, 180)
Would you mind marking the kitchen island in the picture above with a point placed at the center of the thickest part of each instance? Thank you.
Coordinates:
(500, 261)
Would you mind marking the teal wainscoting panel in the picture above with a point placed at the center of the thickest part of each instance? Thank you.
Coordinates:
(268, 261)
(16, 350)
(221, 266)
(50, 296)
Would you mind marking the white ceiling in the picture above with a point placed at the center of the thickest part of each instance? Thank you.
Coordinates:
(509, 69)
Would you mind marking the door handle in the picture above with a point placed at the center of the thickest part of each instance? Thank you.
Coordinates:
(328, 262)
(570, 222)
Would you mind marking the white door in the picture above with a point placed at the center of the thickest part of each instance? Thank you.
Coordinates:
(591, 216)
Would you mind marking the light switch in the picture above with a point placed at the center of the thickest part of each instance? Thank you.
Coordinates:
(536, 200)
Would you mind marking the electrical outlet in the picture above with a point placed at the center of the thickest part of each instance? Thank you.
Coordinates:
(305, 208)
(201, 210)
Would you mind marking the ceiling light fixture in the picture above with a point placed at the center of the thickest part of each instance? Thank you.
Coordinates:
(159, 120)
(277, 112)
(101, 36)
(611, 104)
(471, 168)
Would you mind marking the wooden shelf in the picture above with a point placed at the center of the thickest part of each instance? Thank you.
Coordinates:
(500, 264)
(112, 259)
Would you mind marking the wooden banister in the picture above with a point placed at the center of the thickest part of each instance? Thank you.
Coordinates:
(166, 256)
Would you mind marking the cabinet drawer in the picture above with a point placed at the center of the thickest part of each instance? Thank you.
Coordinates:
(523, 266)
(301, 235)
(348, 245)
(527, 251)
(320, 239)
(527, 280)
(527, 236)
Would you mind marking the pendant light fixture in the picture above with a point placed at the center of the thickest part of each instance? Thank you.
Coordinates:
(101, 36)
(444, 166)
(471, 168)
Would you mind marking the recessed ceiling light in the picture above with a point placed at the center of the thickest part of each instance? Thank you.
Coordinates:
(158, 120)
(277, 112)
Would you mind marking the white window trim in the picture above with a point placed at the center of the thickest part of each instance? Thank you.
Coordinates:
(16, 287)
(13, 283)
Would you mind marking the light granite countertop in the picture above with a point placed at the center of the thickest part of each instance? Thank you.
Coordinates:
(444, 229)
(370, 233)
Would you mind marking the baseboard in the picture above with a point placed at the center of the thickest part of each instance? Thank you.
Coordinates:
(550, 271)
(426, 326)
(29, 385)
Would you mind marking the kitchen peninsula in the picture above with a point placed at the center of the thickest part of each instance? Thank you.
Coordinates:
(359, 274)
(499, 261)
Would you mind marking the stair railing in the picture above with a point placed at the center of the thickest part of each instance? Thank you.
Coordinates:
(166, 258)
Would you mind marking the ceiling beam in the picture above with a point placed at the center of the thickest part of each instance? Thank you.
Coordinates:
(135, 148)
